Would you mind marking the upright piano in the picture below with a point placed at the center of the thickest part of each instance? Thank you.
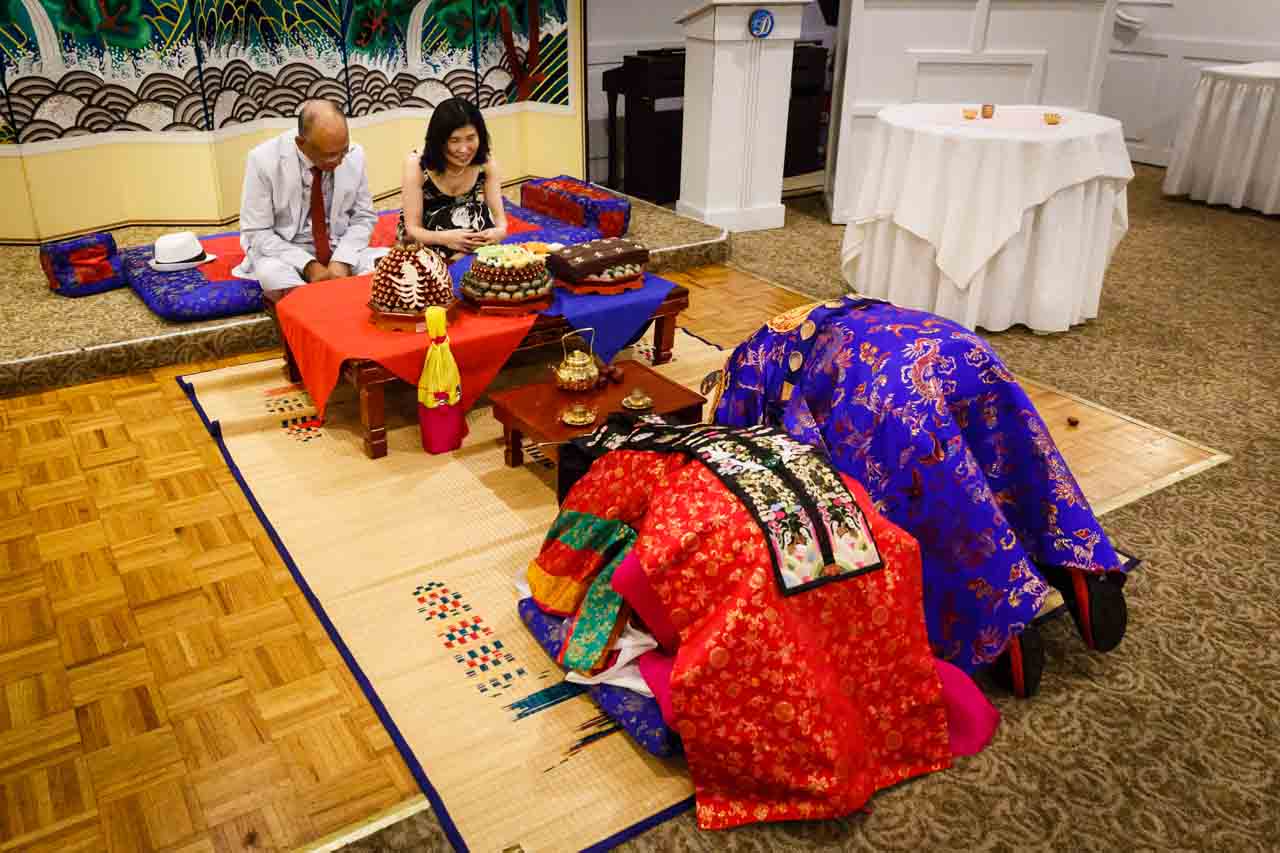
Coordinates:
(650, 165)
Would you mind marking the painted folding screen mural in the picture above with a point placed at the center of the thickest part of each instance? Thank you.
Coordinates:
(75, 67)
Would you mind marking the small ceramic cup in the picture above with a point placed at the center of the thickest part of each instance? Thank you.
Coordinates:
(988, 110)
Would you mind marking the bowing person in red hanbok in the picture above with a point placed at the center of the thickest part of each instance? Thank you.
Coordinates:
(803, 680)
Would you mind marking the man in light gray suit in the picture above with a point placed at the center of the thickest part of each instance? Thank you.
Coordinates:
(306, 213)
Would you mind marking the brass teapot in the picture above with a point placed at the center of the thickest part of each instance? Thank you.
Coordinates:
(578, 370)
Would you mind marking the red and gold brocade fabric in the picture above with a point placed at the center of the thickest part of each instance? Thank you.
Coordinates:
(790, 707)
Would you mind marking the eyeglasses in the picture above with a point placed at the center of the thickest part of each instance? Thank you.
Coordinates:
(322, 157)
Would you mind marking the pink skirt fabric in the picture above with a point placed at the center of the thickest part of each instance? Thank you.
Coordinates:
(655, 669)
(630, 582)
(971, 719)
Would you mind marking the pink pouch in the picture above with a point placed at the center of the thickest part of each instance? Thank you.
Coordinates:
(443, 427)
(630, 582)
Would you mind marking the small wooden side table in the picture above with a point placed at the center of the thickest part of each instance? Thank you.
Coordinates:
(534, 410)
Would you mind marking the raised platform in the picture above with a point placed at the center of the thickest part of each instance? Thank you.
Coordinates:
(52, 341)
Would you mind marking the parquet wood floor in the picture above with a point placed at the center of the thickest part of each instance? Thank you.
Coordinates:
(164, 685)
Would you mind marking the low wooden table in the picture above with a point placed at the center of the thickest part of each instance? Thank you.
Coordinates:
(534, 410)
(370, 378)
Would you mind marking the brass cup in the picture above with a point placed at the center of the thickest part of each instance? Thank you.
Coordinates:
(970, 115)
(1052, 118)
(578, 415)
(637, 400)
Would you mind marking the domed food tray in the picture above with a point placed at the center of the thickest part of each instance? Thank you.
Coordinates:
(406, 281)
(482, 296)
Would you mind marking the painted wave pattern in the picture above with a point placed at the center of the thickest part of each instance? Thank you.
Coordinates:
(54, 86)
(81, 103)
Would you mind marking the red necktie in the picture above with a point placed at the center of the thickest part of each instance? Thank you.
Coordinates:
(319, 224)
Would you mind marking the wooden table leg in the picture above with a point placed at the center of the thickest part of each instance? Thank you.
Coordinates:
(513, 451)
(690, 415)
(270, 302)
(290, 366)
(373, 416)
(664, 338)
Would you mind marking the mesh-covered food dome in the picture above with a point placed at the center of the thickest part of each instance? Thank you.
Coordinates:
(409, 279)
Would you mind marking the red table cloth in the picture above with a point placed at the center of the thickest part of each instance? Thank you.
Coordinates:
(327, 323)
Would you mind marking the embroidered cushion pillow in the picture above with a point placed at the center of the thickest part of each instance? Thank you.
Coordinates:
(82, 265)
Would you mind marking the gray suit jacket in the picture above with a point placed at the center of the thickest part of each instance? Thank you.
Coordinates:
(272, 207)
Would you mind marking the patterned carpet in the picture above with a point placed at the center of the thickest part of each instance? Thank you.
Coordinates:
(1173, 740)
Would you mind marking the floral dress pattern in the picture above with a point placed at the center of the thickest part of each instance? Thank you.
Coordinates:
(444, 212)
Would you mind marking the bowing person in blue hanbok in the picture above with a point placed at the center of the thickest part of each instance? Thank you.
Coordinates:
(951, 449)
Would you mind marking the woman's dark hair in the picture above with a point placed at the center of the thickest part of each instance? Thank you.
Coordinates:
(449, 116)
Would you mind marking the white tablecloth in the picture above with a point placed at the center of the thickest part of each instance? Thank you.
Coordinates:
(1228, 147)
(989, 222)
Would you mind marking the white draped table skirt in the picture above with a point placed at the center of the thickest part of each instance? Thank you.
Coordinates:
(1048, 276)
(1228, 148)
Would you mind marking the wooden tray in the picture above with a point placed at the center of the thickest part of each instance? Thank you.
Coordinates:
(617, 285)
(509, 308)
(396, 321)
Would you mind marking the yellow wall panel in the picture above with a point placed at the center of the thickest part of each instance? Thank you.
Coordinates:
(59, 202)
(553, 144)
(168, 182)
(506, 143)
(230, 153)
(385, 145)
(16, 218)
(133, 182)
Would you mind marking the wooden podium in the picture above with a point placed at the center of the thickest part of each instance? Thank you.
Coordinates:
(737, 89)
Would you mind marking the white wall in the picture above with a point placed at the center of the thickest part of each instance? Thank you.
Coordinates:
(1153, 69)
(616, 28)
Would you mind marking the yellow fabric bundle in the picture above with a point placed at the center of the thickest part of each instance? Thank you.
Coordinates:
(440, 383)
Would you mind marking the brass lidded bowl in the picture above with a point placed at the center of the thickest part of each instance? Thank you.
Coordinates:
(637, 400)
(579, 414)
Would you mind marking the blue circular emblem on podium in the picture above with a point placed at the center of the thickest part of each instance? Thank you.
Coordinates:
(761, 23)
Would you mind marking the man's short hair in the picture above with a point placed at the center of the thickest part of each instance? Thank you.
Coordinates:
(311, 109)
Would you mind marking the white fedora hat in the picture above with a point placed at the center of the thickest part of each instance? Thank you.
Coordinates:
(181, 251)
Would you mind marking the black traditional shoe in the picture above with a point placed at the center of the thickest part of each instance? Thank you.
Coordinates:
(1096, 602)
(1021, 665)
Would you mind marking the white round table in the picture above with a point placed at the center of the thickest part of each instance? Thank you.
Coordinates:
(1228, 147)
(989, 222)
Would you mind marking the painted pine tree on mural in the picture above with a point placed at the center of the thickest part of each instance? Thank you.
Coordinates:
(501, 19)
(101, 24)
(269, 24)
(117, 23)
(23, 22)
(379, 26)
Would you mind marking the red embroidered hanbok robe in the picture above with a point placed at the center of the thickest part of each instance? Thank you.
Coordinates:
(792, 702)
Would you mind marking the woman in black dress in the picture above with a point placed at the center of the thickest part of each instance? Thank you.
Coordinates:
(452, 190)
